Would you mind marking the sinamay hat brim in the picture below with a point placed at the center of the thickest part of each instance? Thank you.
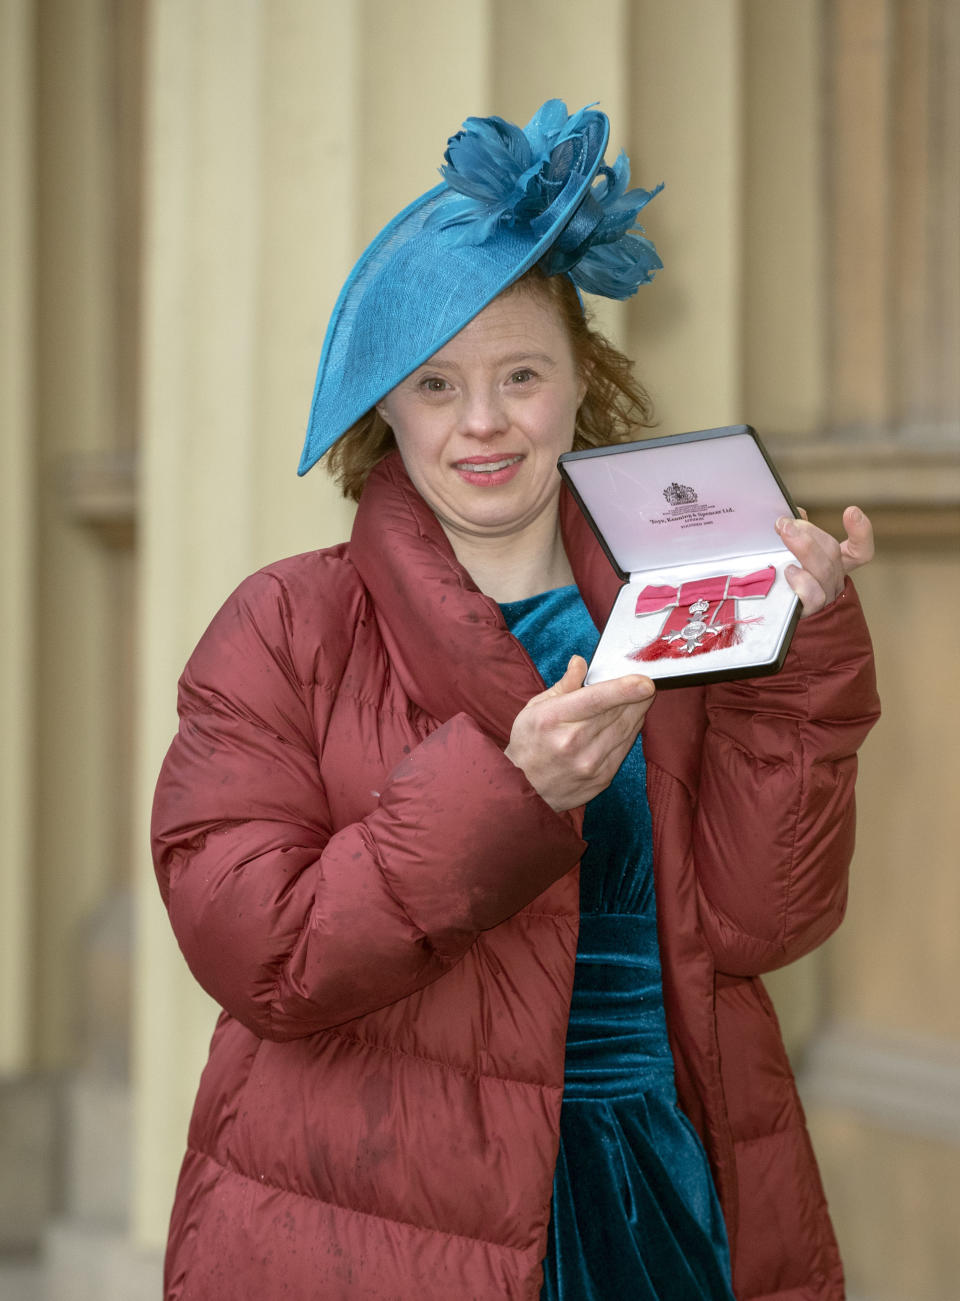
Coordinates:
(415, 287)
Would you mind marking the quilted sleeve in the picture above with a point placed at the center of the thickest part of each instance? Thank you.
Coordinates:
(774, 831)
(290, 926)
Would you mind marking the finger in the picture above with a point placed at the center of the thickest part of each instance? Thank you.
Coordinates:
(572, 679)
(592, 753)
(623, 729)
(811, 593)
(818, 553)
(857, 548)
(615, 726)
(603, 697)
(802, 513)
(806, 540)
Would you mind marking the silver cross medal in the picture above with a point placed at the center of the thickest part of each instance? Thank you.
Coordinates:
(693, 632)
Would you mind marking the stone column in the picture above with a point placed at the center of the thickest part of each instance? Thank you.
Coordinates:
(784, 252)
(550, 51)
(686, 94)
(201, 213)
(17, 523)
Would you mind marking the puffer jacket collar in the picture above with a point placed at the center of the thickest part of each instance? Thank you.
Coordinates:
(448, 643)
(444, 638)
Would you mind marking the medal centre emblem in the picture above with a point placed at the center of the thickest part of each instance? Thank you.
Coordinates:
(693, 633)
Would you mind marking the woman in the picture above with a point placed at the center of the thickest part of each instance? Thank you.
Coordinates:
(368, 828)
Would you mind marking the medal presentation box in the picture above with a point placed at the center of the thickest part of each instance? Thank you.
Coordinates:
(689, 524)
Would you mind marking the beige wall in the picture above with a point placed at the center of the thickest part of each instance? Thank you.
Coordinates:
(185, 254)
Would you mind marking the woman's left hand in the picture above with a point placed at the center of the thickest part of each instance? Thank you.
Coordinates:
(824, 562)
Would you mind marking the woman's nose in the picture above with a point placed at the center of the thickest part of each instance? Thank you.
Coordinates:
(483, 414)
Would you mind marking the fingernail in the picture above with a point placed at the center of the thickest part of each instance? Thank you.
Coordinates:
(856, 515)
(785, 525)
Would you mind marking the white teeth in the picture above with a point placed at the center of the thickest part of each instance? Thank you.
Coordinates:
(487, 467)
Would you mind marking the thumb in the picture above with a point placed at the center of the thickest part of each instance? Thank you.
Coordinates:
(857, 548)
(572, 679)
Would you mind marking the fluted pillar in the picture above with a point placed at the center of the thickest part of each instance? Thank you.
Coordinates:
(17, 522)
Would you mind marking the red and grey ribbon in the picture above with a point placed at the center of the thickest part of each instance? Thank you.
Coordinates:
(702, 613)
(735, 588)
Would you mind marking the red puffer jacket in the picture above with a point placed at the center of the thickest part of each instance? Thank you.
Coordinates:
(387, 913)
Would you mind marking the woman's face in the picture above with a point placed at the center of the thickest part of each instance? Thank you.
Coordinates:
(481, 424)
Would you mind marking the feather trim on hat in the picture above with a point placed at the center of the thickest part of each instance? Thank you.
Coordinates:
(512, 177)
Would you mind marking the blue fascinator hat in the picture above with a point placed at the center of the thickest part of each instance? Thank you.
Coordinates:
(510, 198)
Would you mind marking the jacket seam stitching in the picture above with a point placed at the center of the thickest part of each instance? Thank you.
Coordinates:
(771, 943)
(196, 711)
(801, 796)
(814, 1280)
(333, 689)
(262, 1182)
(775, 943)
(660, 792)
(442, 1065)
(378, 707)
(798, 1128)
(433, 954)
(204, 1208)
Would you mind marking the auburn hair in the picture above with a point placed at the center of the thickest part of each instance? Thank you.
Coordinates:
(614, 409)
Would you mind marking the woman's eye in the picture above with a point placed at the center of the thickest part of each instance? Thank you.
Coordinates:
(433, 384)
(523, 376)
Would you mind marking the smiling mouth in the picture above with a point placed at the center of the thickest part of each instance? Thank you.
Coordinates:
(487, 466)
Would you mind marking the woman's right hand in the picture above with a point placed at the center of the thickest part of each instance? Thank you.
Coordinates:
(570, 740)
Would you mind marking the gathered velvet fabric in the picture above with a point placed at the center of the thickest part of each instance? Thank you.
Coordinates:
(634, 1212)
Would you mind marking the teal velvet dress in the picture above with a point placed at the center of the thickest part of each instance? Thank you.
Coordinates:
(635, 1213)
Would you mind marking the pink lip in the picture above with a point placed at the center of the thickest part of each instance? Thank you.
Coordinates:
(489, 478)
